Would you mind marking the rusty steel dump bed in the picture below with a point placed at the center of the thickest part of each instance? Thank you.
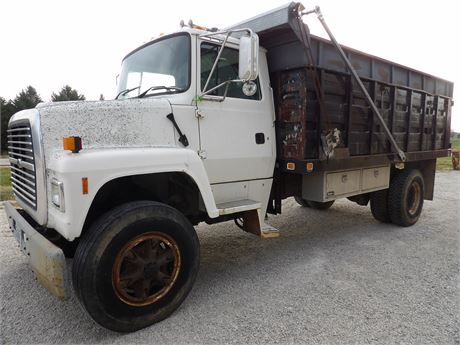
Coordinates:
(415, 106)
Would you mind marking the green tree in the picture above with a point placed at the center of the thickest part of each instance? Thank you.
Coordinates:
(6, 111)
(26, 99)
(67, 94)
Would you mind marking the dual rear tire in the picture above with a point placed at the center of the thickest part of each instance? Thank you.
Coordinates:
(402, 202)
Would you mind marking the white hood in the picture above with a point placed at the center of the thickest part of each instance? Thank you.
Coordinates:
(102, 124)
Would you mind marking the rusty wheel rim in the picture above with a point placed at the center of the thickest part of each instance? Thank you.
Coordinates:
(146, 268)
(413, 200)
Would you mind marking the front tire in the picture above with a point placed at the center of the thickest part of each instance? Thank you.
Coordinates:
(136, 265)
(405, 197)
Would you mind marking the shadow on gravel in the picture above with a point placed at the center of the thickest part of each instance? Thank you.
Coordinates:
(227, 253)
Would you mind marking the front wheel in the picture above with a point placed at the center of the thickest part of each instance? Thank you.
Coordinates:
(136, 265)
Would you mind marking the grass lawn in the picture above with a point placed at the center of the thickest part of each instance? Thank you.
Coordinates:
(445, 163)
(455, 143)
(5, 185)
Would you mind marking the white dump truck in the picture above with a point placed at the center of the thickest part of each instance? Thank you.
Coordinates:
(211, 126)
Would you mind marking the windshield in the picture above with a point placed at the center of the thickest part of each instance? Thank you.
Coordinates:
(162, 67)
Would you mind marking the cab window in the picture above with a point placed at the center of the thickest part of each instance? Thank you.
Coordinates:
(226, 69)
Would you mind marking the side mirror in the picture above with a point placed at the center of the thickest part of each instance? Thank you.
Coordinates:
(249, 57)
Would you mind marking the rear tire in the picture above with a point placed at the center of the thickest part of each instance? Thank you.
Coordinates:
(313, 204)
(320, 205)
(301, 202)
(136, 265)
(379, 206)
(405, 197)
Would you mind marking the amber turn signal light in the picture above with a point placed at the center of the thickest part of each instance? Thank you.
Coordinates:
(72, 144)
(84, 185)
(290, 166)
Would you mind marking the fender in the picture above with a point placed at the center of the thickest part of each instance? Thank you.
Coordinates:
(100, 166)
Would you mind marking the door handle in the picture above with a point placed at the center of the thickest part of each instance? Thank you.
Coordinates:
(260, 138)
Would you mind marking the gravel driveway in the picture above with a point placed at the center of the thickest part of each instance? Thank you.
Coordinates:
(333, 277)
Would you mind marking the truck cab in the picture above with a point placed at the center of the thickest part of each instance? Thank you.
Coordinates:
(179, 144)
(232, 132)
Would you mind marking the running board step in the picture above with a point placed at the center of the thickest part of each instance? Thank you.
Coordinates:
(251, 214)
(237, 206)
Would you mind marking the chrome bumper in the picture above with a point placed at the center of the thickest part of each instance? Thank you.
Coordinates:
(46, 259)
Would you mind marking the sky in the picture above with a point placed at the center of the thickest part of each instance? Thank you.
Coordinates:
(48, 43)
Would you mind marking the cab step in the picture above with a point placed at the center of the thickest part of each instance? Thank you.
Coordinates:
(252, 218)
(237, 206)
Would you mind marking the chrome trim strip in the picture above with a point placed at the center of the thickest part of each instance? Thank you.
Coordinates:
(19, 142)
(20, 155)
(19, 136)
(23, 196)
(16, 175)
(15, 180)
(21, 149)
(25, 173)
(17, 129)
(26, 165)
(30, 196)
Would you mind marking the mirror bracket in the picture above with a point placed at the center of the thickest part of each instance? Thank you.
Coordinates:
(226, 84)
(227, 35)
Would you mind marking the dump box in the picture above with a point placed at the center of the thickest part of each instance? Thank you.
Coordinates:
(322, 115)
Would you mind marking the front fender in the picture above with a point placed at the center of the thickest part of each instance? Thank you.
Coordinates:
(100, 166)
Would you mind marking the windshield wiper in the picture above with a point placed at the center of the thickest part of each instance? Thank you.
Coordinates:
(125, 91)
(153, 88)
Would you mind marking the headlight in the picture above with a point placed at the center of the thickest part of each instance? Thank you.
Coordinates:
(57, 194)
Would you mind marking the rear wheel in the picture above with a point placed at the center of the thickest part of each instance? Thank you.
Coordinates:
(301, 202)
(314, 204)
(136, 265)
(379, 206)
(405, 197)
(320, 205)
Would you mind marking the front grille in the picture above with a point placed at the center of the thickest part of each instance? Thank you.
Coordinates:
(22, 161)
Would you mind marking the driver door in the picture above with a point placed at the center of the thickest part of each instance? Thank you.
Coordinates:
(235, 133)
